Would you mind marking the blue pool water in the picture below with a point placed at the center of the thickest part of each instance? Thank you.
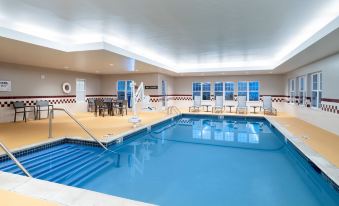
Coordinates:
(191, 160)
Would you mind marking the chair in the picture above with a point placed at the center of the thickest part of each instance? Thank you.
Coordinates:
(219, 105)
(196, 104)
(90, 105)
(109, 104)
(121, 106)
(42, 105)
(242, 104)
(20, 107)
(267, 106)
(100, 107)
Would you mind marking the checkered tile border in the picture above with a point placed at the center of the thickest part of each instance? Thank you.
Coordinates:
(330, 107)
(31, 102)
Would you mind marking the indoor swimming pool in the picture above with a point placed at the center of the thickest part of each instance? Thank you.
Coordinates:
(190, 160)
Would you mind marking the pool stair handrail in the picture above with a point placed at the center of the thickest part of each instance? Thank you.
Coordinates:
(171, 108)
(15, 160)
(76, 121)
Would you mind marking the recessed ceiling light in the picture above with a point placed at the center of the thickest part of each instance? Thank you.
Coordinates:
(66, 67)
(111, 65)
(97, 71)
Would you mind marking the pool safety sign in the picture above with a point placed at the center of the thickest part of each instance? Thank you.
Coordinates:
(5, 86)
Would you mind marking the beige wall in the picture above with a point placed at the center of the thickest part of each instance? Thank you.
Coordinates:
(330, 72)
(27, 81)
(109, 82)
(269, 84)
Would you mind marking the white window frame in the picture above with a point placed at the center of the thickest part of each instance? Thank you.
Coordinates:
(302, 92)
(248, 90)
(202, 90)
(80, 95)
(225, 91)
(291, 90)
(125, 89)
(248, 93)
(317, 90)
(222, 90)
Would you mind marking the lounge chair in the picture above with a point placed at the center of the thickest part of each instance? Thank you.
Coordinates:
(196, 104)
(267, 106)
(219, 105)
(242, 104)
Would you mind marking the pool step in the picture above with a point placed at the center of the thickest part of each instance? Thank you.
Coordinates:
(63, 166)
(36, 156)
(41, 162)
(90, 172)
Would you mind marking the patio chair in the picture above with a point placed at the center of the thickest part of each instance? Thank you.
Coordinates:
(122, 106)
(20, 108)
(90, 105)
(100, 107)
(219, 105)
(267, 106)
(242, 104)
(42, 105)
(196, 104)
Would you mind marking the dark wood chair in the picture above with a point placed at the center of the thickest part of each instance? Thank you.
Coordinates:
(100, 107)
(122, 106)
(20, 108)
(41, 106)
(90, 105)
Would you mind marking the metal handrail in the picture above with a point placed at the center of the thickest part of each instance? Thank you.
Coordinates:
(76, 121)
(9, 153)
(170, 110)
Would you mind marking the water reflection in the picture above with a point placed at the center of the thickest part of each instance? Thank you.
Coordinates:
(243, 132)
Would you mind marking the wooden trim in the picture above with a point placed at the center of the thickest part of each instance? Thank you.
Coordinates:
(330, 100)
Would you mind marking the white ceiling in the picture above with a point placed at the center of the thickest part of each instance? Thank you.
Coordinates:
(179, 36)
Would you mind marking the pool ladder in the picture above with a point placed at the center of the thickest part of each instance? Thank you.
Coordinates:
(15, 160)
(76, 121)
(170, 110)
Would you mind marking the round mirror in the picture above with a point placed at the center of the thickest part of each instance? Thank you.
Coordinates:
(66, 87)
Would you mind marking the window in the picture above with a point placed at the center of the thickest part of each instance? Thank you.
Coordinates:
(80, 90)
(218, 89)
(206, 91)
(196, 88)
(242, 89)
(302, 90)
(316, 89)
(124, 89)
(253, 91)
(292, 90)
(229, 90)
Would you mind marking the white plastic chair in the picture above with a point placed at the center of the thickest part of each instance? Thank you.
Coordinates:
(267, 106)
(242, 104)
(219, 104)
(196, 104)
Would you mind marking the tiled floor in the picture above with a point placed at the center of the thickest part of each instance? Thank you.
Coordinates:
(19, 134)
(14, 199)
